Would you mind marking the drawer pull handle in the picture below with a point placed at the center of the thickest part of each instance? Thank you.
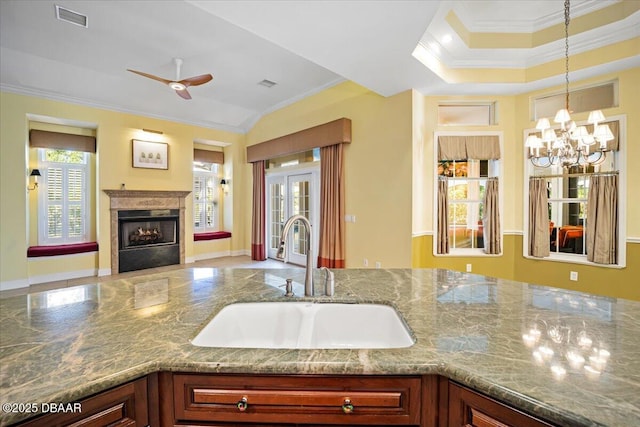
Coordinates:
(242, 404)
(347, 406)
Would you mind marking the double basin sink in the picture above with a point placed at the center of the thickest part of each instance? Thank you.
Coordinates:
(305, 325)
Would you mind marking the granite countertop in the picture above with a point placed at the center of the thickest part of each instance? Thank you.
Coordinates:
(63, 345)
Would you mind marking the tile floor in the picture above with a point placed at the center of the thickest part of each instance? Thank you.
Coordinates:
(222, 262)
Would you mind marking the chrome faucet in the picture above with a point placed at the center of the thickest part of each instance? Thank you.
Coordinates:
(308, 278)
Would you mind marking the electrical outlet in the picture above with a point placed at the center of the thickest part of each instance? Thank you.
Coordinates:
(573, 276)
(468, 268)
(378, 264)
(365, 262)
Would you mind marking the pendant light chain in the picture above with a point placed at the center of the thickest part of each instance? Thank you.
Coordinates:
(566, 51)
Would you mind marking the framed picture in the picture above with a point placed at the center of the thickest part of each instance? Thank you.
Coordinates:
(150, 155)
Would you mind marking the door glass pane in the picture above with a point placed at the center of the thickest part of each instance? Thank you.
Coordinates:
(277, 213)
(301, 206)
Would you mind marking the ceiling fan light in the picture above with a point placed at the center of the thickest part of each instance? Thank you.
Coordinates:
(177, 86)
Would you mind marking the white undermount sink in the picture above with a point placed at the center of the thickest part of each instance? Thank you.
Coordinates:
(305, 325)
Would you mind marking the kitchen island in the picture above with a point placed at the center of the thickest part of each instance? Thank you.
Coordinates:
(566, 357)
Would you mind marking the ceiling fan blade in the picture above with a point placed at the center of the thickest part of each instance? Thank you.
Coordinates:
(197, 80)
(151, 76)
(183, 94)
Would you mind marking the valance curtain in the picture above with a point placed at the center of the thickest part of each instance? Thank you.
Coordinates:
(61, 141)
(539, 238)
(208, 156)
(602, 219)
(460, 147)
(491, 218)
(258, 250)
(443, 216)
(331, 251)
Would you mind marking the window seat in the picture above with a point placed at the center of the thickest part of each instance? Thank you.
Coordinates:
(55, 250)
(214, 235)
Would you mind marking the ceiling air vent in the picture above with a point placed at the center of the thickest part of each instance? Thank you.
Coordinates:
(267, 83)
(72, 17)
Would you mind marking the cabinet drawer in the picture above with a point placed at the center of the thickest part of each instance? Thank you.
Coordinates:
(297, 399)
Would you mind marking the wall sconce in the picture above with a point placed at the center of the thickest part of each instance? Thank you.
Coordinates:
(225, 185)
(35, 173)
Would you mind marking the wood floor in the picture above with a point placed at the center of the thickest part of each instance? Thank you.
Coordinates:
(222, 262)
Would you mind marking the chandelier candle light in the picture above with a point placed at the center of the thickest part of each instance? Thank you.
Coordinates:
(572, 146)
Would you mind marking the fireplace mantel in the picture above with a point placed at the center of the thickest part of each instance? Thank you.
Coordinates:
(144, 199)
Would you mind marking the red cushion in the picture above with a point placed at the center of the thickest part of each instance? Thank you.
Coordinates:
(211, 236)
(53, 250)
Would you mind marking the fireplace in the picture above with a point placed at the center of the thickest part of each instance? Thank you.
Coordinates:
(147, 229)
(148, 238)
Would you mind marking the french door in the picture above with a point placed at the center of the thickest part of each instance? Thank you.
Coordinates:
(288, 194)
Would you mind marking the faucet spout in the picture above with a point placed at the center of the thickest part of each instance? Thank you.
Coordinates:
(308, 278)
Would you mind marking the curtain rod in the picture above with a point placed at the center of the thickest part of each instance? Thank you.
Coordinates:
(574, 175)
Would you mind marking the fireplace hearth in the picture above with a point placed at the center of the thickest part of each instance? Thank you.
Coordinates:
(147, 229)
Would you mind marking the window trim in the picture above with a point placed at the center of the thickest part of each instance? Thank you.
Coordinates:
(45, 165)
(622, 203)
(467, 252)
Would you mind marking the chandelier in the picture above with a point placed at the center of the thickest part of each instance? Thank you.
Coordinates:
(572, 145)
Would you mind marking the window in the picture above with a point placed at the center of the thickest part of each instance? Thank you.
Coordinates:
(467, 114)
(567, 195)
(64, 218)
(467, 212)
(466, 188)
(205, 197)
(582, 100)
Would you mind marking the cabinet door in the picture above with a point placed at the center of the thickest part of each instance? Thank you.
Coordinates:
(470, 409)
(124, 406)
(352, 400)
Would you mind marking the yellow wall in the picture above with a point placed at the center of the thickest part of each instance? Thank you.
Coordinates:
(113, 167)
(513, 113)
(389, 180)
(378, 166)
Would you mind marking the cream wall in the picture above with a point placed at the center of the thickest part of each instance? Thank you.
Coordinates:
(113, 167)
(378, 165)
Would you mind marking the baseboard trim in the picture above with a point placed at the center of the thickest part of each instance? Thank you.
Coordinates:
(67, 275)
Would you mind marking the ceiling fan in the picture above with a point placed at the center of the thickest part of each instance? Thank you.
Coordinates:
(180, 86)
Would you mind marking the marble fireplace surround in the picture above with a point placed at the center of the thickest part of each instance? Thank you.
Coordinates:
(144, 199)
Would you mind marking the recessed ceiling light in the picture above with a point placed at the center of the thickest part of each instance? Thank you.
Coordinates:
(267, 83)
(447, 38)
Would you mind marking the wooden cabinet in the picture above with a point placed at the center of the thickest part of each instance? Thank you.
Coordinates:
(347, 400)
(470, 409)
(124, 406)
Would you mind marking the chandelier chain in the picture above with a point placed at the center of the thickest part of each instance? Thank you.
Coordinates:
(566, 51)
